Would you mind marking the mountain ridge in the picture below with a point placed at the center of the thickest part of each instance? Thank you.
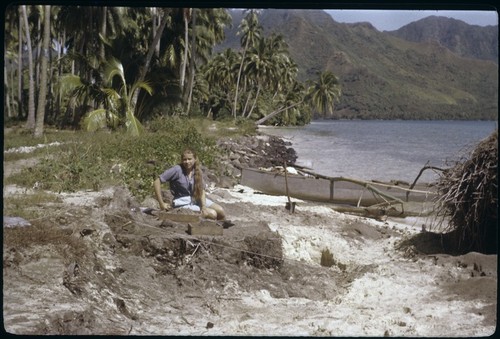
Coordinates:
(383, 75)
(480, 42)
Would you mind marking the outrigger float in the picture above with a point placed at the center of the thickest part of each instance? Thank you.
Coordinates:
(370, 198)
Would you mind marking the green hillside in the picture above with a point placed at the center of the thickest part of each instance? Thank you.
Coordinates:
(383, 76)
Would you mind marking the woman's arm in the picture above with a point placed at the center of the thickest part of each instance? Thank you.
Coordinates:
(203, 200)
(157, 187)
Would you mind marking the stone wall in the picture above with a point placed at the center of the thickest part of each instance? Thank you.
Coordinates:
(249, 151)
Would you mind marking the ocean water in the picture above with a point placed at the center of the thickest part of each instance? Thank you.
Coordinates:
(383, 150)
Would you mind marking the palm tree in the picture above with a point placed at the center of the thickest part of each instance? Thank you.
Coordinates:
(210, 26)
(220, 75)
(117, 103)
(207, 29)
(291, 103)
(264, 64)
(251, 32)
(324, 93)
(42, 96)
(145, 67)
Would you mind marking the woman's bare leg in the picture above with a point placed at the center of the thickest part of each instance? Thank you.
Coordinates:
(209, 213)
(215, 211)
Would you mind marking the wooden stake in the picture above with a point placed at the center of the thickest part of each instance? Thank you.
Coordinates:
(291, 205)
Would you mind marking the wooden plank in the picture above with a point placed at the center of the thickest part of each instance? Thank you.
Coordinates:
(178, 217)
(205, 227)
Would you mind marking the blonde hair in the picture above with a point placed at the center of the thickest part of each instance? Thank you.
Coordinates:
(198, 175)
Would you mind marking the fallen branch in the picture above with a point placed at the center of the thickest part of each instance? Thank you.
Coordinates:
(426, 167)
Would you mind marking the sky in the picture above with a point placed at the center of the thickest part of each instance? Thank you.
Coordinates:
(389, 19)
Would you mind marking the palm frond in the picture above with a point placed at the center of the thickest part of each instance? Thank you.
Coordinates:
(133, 125)
(98, 119)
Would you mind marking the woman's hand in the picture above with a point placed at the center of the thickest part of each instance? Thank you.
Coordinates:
(165, 206)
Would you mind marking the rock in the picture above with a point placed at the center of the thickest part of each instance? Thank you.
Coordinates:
(236, 163)
(15, 222)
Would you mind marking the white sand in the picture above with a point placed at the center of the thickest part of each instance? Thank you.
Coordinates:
(400, 297)
(397, 296)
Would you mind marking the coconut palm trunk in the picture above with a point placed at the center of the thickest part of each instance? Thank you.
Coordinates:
(238, 79)
(42, 97)
(144, 69)
(30, 123)
(192, 62)
(20, 66)
(186, 14)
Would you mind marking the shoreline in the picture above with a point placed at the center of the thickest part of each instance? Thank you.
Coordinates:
(347, 159)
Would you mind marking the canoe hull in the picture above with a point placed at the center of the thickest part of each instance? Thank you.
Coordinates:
(324, 190)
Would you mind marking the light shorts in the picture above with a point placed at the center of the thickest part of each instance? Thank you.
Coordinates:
(187, 202)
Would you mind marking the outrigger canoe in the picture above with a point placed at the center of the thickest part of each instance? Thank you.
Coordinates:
(336, 190)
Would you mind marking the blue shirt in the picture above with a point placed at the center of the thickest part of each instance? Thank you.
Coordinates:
(180, 184)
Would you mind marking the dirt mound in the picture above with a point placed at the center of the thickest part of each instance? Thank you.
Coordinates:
(108, 259)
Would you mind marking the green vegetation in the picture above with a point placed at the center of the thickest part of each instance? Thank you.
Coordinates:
(119, 67)
(93, 160)
(22, 206)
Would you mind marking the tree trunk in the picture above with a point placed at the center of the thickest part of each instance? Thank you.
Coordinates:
(272, 114)
(30, 123)
(249, 96)
(42, 97)
(185, 15)
(61, 37)
(192, 62)
(255, 101)
(238, 79)
(102, 51)
(37, 59)
(156, 24)
(144, 69)
(20, 67)
(6, 94)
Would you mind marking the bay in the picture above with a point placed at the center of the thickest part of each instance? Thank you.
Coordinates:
(381, 149)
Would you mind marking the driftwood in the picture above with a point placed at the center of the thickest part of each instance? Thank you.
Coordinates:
(375, 213)
(426, 167)
(381, 211)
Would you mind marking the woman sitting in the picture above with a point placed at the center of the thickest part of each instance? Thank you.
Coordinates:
(187, 188)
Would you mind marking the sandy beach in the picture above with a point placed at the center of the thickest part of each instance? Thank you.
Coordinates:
(401, 293)
(373, 289)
